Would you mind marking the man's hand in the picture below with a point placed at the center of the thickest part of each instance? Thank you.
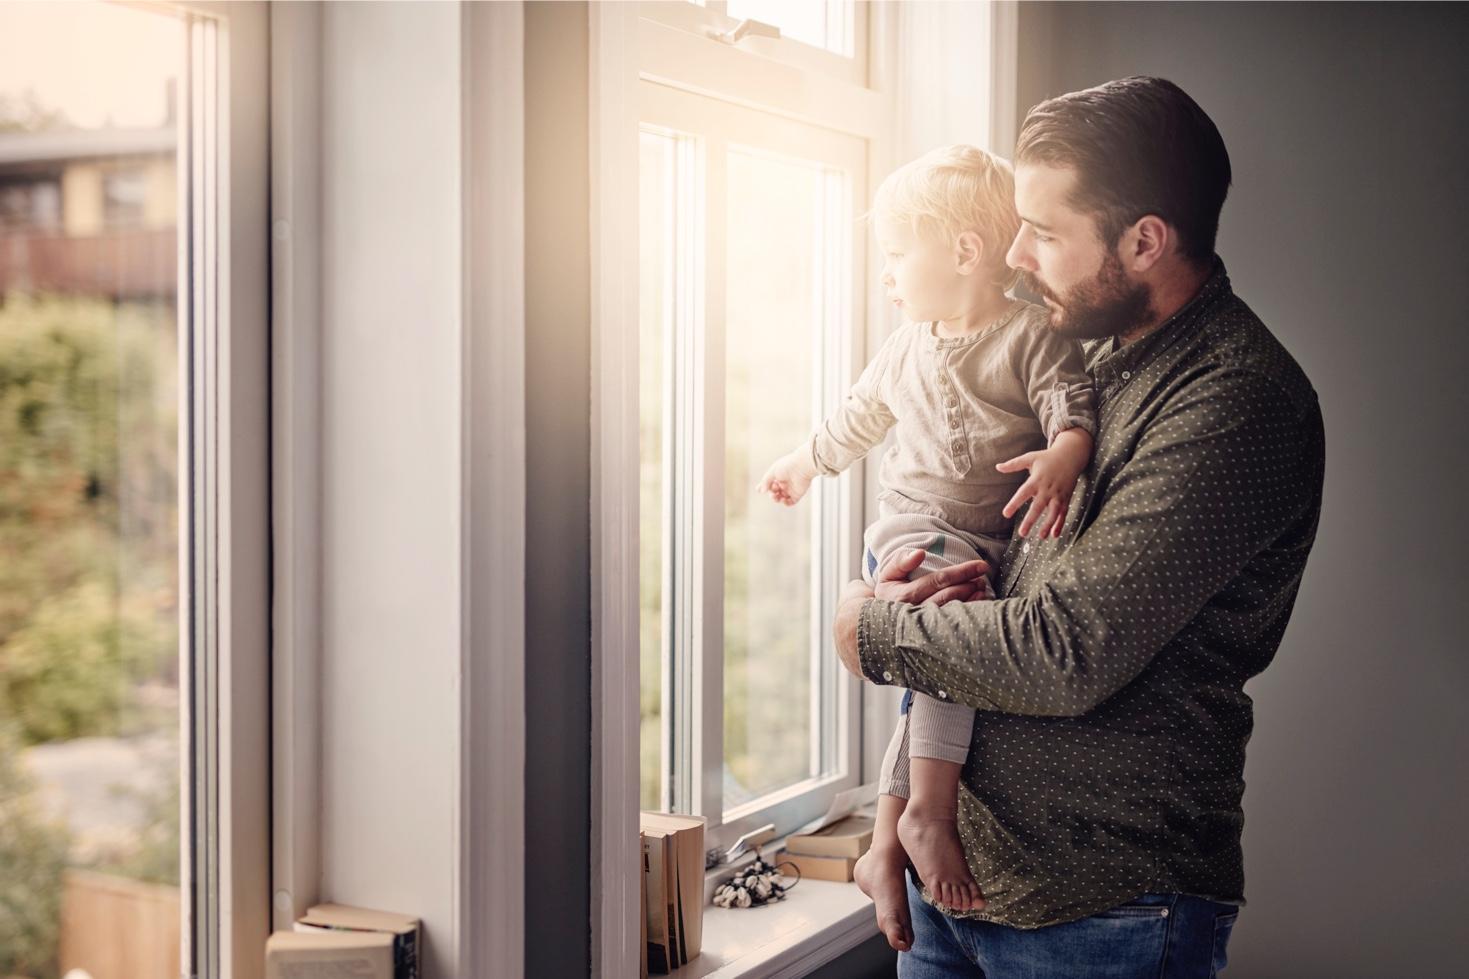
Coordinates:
(961, 582)
(956, 583)
(1053, 476)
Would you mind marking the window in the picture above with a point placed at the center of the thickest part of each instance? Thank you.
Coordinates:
(829, 38)
(124, 197)
(114, 524)
(752, 292)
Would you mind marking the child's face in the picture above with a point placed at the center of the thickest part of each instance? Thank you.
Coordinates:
(919, 274)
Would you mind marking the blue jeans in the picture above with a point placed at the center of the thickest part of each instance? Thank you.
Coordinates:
(1156, 936)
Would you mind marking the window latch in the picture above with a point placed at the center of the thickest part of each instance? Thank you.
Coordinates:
(750, 840)
(745, 28)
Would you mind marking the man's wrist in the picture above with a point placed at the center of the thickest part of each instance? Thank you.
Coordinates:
(877, 630)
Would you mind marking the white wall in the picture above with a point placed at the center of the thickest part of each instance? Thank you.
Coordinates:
(391, 462)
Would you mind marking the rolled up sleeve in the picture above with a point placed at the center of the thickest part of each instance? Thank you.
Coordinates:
(1223, 471)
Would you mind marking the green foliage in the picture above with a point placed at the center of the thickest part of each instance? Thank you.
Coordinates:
(71, 670)
(88, 429)
(32, 858)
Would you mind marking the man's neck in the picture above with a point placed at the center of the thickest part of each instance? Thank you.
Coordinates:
(1170, 295)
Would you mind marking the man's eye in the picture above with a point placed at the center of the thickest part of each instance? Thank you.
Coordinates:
(1043, 238)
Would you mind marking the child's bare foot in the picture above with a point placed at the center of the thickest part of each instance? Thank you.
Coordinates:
(879, 873)
(932, 841)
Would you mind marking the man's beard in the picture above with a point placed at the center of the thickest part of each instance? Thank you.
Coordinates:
(1104, 305)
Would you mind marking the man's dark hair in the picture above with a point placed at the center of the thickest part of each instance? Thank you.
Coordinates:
(1140, 146)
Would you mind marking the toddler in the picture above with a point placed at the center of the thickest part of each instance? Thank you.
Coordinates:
(979, 389)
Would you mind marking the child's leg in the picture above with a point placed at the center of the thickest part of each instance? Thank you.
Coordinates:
(928, 828)
(880, 870)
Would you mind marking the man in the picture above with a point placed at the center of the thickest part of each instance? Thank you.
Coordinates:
(1100, 808)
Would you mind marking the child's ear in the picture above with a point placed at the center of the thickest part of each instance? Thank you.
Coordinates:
(968, 251)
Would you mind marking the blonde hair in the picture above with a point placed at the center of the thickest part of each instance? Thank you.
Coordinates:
(954, 189)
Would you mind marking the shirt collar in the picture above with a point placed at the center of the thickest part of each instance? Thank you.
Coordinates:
(1114, 362)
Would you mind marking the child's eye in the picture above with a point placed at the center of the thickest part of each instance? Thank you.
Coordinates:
(1043, 238)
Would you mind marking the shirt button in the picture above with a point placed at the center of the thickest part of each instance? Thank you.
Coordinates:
(953, 423)
(943, 695)
(1127, 375)
(886, 675)
(1025, 548)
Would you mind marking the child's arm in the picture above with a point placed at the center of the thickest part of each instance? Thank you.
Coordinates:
(1053, 476)
(1060, 391)
(860, 424)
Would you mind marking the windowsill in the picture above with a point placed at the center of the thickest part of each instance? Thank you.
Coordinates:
(818, 921)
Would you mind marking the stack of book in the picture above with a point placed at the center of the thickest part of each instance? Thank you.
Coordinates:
(673, 889)
(830, 853)
(334, 940)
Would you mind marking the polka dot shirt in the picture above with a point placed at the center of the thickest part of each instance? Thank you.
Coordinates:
(1111, 720)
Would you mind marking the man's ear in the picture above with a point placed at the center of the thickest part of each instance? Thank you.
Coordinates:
(1145, 243)
(968, 252)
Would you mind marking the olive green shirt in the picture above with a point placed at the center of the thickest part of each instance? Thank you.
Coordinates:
(1109, 737)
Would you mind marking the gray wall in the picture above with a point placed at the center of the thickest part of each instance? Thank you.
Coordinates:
(1346, 232)
(558, 613)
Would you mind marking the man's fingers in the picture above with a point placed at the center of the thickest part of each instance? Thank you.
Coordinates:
(955, 576)
(900, 567)
(954, 593)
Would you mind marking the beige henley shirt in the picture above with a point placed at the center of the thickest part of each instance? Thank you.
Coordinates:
(960, 405)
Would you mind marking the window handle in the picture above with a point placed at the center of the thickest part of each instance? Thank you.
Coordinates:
(745, 28)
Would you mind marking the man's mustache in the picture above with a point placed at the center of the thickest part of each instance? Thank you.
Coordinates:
(1037, 286)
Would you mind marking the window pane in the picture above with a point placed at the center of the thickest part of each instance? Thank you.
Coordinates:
(819, 23)
(778, 293)
(89, 414)
(655, 316)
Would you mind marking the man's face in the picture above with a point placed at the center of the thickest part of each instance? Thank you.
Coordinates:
(1061, 256)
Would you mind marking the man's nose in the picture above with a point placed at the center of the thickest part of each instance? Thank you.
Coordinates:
(1018, 257)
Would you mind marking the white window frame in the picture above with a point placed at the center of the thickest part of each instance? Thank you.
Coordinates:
(224, 444)
(627, 48)
(488, 934)
(629, 44)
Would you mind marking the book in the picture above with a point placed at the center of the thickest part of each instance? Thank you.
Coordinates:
(643, 904)
(402, 928)
(329, 955)
(850, 837)
(682, 881)
(821, 868)
(655, 908)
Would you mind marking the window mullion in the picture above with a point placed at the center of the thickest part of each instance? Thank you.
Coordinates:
(684, 670)
(709, 483)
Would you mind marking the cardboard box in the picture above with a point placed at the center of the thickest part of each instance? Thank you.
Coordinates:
(850, 837)
(330, 918)
(329, 955)
(820, 868)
